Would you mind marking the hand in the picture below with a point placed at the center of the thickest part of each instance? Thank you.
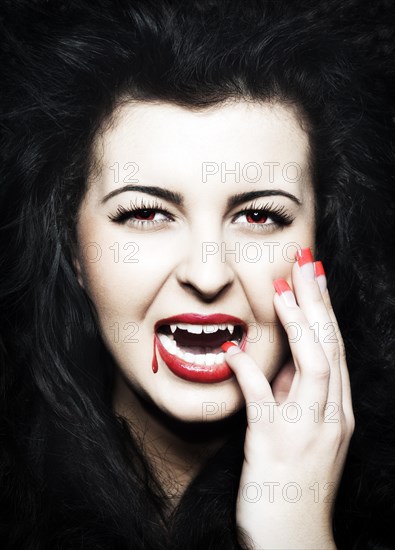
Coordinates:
(298, 430)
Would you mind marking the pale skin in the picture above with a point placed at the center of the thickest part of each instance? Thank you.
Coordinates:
(169, 145)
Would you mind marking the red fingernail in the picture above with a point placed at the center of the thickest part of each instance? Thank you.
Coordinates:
(285, 291)
(319, 268)
(305, 261)
(320, 275)
(226, 345)
(304, 256)
(281, 286)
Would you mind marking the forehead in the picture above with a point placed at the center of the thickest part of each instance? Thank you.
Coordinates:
(238, 141)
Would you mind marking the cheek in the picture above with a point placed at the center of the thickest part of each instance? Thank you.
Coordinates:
(121, 275)
(260, 264)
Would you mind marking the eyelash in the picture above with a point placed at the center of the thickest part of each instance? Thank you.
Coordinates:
(278, 214)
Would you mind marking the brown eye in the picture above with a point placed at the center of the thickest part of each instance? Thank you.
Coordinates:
(256, 217)
(264, 218)
(147, 215)
(142, 218)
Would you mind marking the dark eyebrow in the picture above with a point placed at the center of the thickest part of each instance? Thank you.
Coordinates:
(177, 198)
(165, 194)
(250, 195)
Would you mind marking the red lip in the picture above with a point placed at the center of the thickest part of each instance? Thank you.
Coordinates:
(191, 371)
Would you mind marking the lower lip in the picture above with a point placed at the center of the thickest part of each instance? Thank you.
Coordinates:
(193, 372)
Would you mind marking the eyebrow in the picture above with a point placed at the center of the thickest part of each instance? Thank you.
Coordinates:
(178, 199)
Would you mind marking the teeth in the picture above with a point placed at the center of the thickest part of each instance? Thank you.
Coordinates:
(210, 358)
(209, 329)
(207, 359)
(169, 343)
(198, 329)
(200, 359)
(195, 329)
(182, 326)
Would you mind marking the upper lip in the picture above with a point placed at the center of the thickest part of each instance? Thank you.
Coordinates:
(199, 319)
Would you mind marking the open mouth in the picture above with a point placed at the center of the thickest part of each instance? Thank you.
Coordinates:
(199, 344)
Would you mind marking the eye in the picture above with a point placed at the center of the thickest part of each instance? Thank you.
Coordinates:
(256, 216)
(147, 215)
(144, 216)
(264, 218)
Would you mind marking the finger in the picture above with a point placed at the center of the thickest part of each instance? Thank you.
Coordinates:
(310, 300)
(311, 380)
(252, 381)
(345, 377)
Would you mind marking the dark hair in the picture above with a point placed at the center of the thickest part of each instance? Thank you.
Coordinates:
(72, 474)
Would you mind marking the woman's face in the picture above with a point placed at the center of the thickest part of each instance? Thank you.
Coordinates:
(198, 244)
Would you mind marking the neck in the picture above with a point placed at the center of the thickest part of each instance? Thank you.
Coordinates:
(175, 449)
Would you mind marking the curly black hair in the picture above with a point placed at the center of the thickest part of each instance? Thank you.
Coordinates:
(71, 474)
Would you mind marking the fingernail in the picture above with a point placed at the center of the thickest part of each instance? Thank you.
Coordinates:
(285, 291)
(230, 347)
(305, 261)
(320, 275)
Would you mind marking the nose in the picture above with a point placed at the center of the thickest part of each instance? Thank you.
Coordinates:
(204, 271)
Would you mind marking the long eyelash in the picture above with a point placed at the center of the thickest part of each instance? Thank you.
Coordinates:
(279, 213)
(122, 213)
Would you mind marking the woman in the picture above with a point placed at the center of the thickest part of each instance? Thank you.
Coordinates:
(173, 179)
